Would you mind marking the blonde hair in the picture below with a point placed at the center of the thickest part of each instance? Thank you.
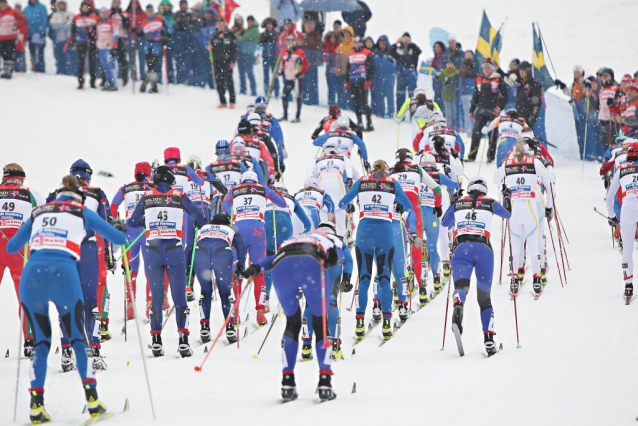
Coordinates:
(12, 166)
(519, 151)
(70, 183)
(380, 166)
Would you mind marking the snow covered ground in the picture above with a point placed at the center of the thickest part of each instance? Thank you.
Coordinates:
(578, 342)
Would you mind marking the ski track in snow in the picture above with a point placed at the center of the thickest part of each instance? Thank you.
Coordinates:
(578, 342)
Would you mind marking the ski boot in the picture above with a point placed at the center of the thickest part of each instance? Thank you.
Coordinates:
(457, 312)
(95, 406)
(98, 361)
(423, 295)
(336, 349)
(267, 304)
(376, 311)
(395, 294)
(184, 348)
(28, 348)
(325, 387)
(231, 333)
(204, 332)
(403, 312)
(190, 294)
(446, 270)
(38, 414)
(544, 276)
(538, 286)
(105, 334)
(360, 329)
(490, 346)
(629, 291)
(306, 350)
(521, 274)
(387, 328)
(68, 363)
(515, 286)
(261, 318)
(157, 347)
(437, 283)
(288, 387)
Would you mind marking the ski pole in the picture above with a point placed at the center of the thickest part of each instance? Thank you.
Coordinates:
(273, 79)
(509, 236)
(561, 246)
(272, 323)
(166, 67)
(190, 269)
(127, 248)
(15, 400)
(447, 305)
(354, 293)
(199, 368)
(500, 276)
(324, 313)
(585, 141)
(555, 255)
(518, 343)
(137, 326)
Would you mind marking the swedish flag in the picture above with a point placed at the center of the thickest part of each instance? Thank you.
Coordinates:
(540, 72)
(427, 69)
(489, 42)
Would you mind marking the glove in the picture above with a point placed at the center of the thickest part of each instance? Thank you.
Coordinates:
(350, 208)
(349, 183)
(119, 224)
(560, 84)
(398, 207)
(346, 287)
(239, 270)
(110, 262)
(548, 213)
(507, 198)
(438, 211)
(606, 181)
(612, 221)
(299, 75)
(458, 194)
(367, 85)
(277, 175)
(332, 258)
(366, 166)
(114, 52)
(610, 102)
(416, 241)
(252, 271)
(346, 86)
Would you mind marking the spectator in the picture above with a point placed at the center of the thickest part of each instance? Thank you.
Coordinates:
(289, 29)
(21, 41)
(156, 32)
(319, 18)
(608, 128)
(294, 66)
(288, 10)
(38, 22)
(137, 15)
(630, 115)
(448, 77)
(406, 54)
(467, 80)
(512, 77)
(166, 11)
(60, 23)
(337, 27)
(312, 47)
(247, 41)
(529, 95)
(341, 65)
(182, 43)
(9, 23)
(437, 63)
(331, 42)
(224, 48)
(83, 34)
(383, 81)
(620, 101)
(587, 126)
(123, 22)
(106, 42)
(577, 89)
(202, 65)
(268, 42)
(358, 19)
(489, 98)
(454, 52)
(358, 81)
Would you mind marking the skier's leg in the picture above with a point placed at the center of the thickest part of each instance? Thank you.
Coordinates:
(154, 267)
(176, 270)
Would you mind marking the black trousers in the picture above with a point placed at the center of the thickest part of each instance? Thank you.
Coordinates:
(289, 86)
(608, 130)
(359, 96)
(87, 51)
(481, 118)
(224, 81)
(121, 55)
(8, 50)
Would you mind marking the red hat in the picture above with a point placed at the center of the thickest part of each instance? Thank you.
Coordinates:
(633, 84)
(172, 153)
(626, 78)
(143, 168)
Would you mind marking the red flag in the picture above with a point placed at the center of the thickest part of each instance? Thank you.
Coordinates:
(229, 6)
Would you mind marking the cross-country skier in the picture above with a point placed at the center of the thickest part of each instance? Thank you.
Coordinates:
(130, 194)
(471, 217)
(247, 201)
(256, 131)
(16, 203)
(55, 232)
(334, 113)
(509, 126)
(315, 201)
(377, 194)
(345, 139)
(307, 259)
(256, 148)
(418, 110)
(275, 128)
(161, 211)
(522, 175)
(214, 266)
(422, 138)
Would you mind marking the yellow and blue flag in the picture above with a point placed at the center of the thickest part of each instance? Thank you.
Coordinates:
(489, 42)
(540, 72)
(426, 69)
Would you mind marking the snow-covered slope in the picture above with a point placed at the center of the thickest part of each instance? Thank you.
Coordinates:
(578, 342)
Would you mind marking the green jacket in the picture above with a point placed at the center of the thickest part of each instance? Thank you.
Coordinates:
(448, 79)
(168, 16)
(249, 40)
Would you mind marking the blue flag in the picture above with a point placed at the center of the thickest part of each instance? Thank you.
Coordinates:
(540, 72)
(489, 42)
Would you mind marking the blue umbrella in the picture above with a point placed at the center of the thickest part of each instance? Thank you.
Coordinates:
(330, 5)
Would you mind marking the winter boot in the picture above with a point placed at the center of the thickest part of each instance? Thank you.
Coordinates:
(284, 118)
(95, 406)
(261, 318)
(403, 312)
(538, 286)
(376, 311)
(144, 84)
(98, 361)
(446, 270)
(490, 346)
(124, 79)
(38, 414)
(80, 83)
(457, 312)
(387, 328)
(28, 348)
(306, 350)
(204, 332)
(296, 120)
(360, 329)
(437, 283)
(153, 88)
(370, 127)
(68, 363)
(105, 334)
(93, 86)
(231, 332)
(190, 294)
(423, 295)
(220, 106)
(288, 387)
(157, 347)
(325, 387)
(231, 106)
(515, 286)
(8, 70)
(184, 348)
(336, 349)
(109, 88)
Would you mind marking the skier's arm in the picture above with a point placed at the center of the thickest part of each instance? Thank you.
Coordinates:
(407, 206)
(456, 167)
(461, 145)
(275, 198)
(137, 217)
(227, 205)
(501, 211)
(118, 199)
(426, 179)
(448, 217)
(348, 264)
(257, 169)
(301, 214)
(404, 108)
(362, 146)
(194, 212)
(265, 155)
(193, 176)
(487, 128)
(276, 133)
(355, 128)
(104, 209)
(95, 223)
(36, 199)
(611, 194)
(240, 248)
(21, 237)
(320, 140)
(349, 195)
(318, 130)
(278, 157)
(499, 176)
(217, 184)
(328, 203)
(446, 181)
